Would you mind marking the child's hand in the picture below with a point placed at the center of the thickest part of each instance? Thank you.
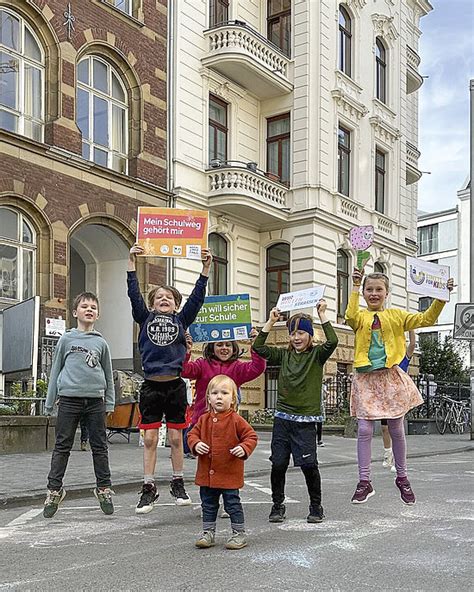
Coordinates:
(357, 276)
(274, 315)
(136, 250)
(253, 334)
(189, 342)
(201, 448)
(237, 451)
(321, 307)
(206, 257)
(450, 284)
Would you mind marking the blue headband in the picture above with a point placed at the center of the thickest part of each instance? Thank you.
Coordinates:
(301, 324)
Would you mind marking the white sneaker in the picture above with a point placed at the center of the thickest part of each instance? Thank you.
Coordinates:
(387, 459)
(393, 469)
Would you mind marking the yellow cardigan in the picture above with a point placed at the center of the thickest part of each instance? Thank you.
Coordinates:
(393, 321)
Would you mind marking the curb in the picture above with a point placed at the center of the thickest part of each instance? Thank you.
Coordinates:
(79, 491)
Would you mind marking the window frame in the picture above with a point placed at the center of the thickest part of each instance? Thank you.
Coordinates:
(279, 17)
(279, 139)
(111, 102)
(431, 241)
(344, 156)
(424, 300)
(345, 41)
(380, 70)
(214, 6)
(218, 127)
(23, 61)
(21, 247)
(219, 267)
(279, 269)
(342, 284)
(380, 181)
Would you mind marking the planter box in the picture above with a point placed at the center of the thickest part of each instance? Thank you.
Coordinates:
(23, 433)
(421, 427)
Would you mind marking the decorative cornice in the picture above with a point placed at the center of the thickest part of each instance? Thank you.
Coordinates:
(355, 5)
(384, 130)
(349, 105)
(384, 27)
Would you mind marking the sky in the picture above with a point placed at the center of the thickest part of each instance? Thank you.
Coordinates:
(447, 57)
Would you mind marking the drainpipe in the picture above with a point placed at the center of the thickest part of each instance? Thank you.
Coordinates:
(170, 123)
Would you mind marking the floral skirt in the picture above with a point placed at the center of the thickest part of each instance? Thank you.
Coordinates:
(383, 394)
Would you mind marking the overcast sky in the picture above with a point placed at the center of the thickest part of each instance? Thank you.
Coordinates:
(447, 57)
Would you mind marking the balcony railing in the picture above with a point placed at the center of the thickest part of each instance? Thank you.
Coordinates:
(242, 54)
(414, 79)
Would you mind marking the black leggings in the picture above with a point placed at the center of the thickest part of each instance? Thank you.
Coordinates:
(313, 483)
(319, 431)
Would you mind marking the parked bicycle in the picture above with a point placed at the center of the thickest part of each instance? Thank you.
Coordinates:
(453, 414)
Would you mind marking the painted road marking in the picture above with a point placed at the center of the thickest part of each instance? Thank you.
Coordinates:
(26, 517)
(268, 491)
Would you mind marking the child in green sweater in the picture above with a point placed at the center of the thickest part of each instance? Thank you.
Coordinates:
(298, 404)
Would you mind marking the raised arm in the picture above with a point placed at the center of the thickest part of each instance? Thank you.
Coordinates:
(140, 311)
(353, 309)
(247, 371)
(326, 349)
(273, 355)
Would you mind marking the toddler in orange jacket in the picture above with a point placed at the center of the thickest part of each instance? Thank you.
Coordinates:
(222, 440)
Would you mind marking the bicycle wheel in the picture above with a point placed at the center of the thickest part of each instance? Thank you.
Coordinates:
(440, 419)
(456, 422)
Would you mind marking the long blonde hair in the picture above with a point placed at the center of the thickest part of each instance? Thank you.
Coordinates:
(218, 381)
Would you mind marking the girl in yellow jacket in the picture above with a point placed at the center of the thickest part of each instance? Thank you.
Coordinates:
(380, 389)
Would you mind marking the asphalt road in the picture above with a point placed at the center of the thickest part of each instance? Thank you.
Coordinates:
(381, 545)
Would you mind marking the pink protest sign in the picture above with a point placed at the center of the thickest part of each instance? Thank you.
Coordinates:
(361, 237)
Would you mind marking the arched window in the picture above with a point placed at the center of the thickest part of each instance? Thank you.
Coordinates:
(380, 70)
(218, 274)
(17, 256)
(277, 272)
(345, 41)
(102, 114)
(379, 267)
(342, 283)
(21, 78)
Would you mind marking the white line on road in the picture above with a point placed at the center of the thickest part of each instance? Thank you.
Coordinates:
(268, 491)
(26, 517)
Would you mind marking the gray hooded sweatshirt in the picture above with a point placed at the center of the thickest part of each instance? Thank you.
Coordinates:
(81, 368)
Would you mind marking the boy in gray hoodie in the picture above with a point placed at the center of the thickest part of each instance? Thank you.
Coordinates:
(81, 376)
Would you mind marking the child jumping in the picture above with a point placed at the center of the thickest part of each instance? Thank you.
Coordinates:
(380, 388)
(222, 440)
(81, 375)
(219, 358)
(162, 346)
(298, 405)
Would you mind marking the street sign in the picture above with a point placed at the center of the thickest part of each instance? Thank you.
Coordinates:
(464, 322)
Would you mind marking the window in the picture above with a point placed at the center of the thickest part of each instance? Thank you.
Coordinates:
(102, 114)
(279, 24)
(342, 283)
(124, 5)
(218, 130)
(343, 160)
(380, 70)
(424, 303)
(380, 168)
(278, 147)
(17, 256)
(21, 78)
(218, 12)
(378, 267)
(345, 41)
(218, 273)
(428, 239)
(277, 273)
(427, 336)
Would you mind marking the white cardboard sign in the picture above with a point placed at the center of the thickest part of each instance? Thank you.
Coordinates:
(301, 299)
(428, 279)
(55, 327)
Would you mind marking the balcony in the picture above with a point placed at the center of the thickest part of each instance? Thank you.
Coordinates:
(412, 173)
(241, 54)
(242, 190)
(414, 80)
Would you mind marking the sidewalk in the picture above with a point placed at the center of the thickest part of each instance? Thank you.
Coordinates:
(23, 476)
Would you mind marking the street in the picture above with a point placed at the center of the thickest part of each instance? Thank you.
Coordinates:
(381, 545)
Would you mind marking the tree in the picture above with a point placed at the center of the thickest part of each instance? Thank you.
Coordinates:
(443, 359)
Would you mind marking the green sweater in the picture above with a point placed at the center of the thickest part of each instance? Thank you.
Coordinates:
(301, 374)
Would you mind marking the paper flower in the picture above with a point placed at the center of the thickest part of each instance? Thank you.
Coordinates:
(361, 237)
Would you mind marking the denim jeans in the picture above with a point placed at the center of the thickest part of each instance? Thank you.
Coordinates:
(210, 506)
(71, 410)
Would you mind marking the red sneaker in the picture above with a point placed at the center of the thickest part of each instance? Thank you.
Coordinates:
(406, 492)
(363, 491)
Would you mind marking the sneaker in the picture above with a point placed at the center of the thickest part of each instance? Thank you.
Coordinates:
(406, 492)
(363, 491)
(177, 490)
(206, 540)
(104, 495)
(387, 462)
(238, 540)
(277, 513)
(52, 501)
(393, 469)
(321, 444)
(190, 456)
(316, 514)
(84, 446)
(148, 497)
